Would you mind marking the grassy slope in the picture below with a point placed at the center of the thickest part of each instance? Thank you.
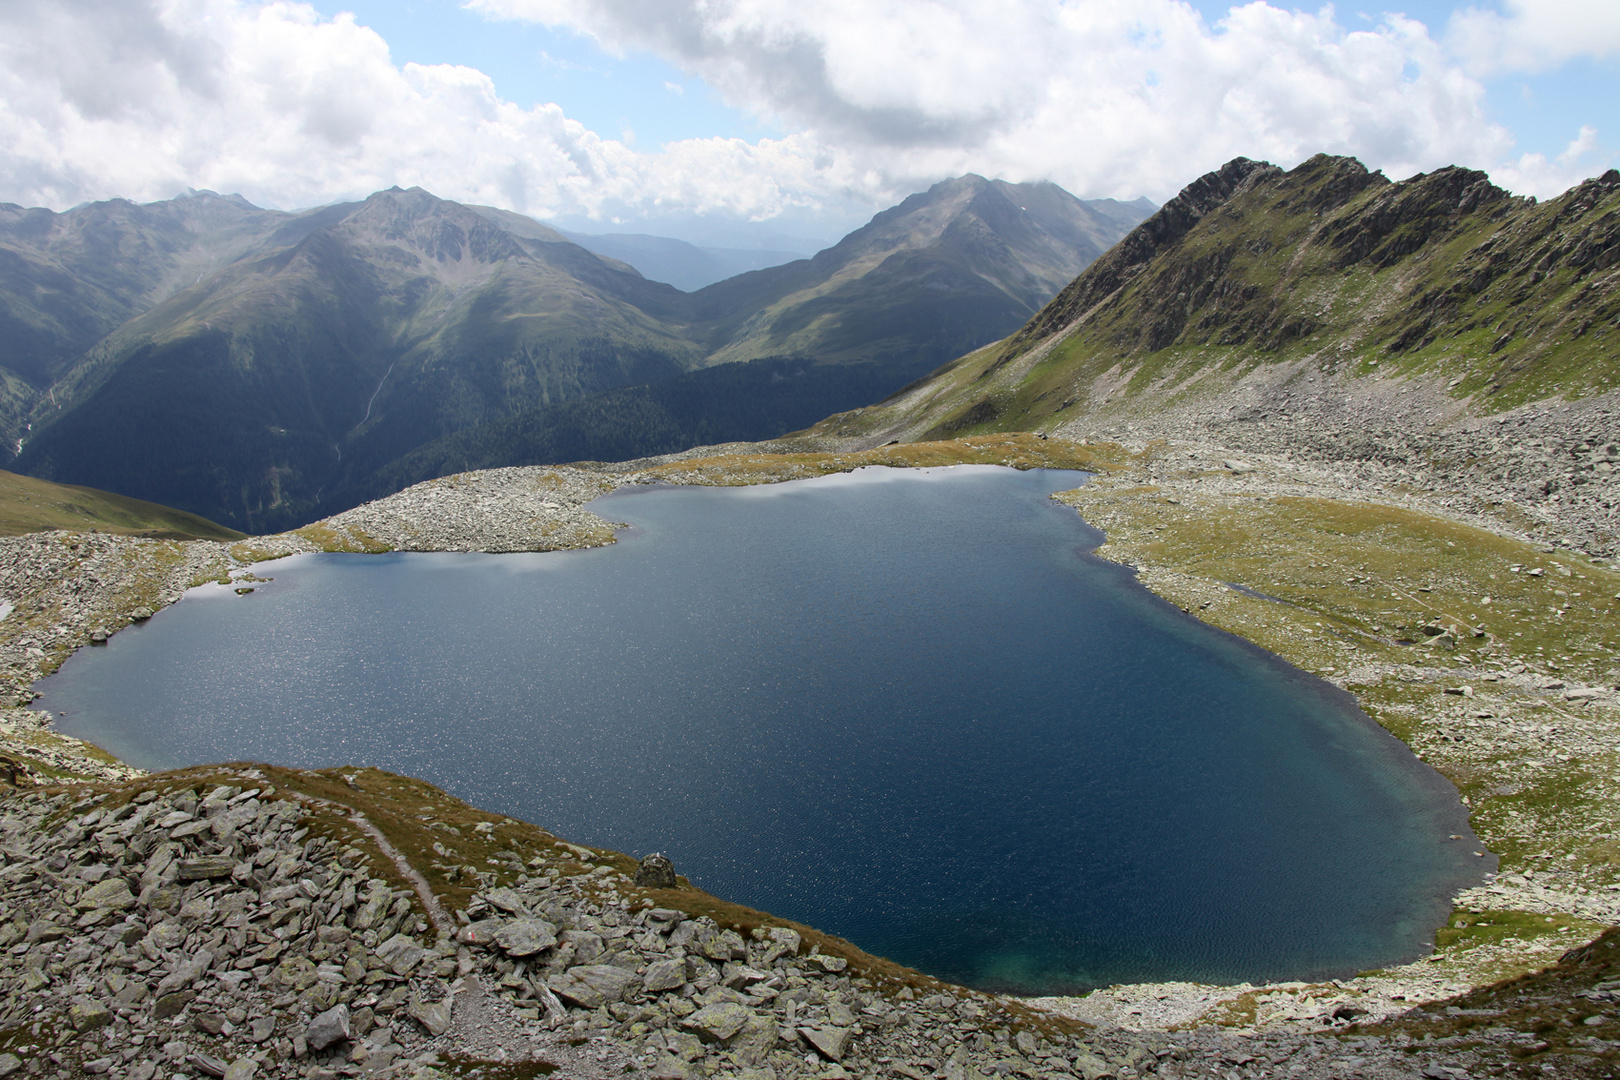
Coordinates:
(29, 505)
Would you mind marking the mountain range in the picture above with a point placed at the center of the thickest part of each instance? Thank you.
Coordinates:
(264, 368)
(1257, 285)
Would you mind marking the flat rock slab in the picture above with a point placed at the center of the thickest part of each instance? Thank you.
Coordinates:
(718, 1022)
(525, 937)
(87, 1014)
(206, 868)
(432, 1015)
(664, 975)
(113, 894)
(507, 900)
(831, 1043)
(401, 954)
(611, 982)
(592, 985)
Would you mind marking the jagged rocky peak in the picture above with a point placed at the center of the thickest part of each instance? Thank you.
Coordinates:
(1401, 218)
(438, 229)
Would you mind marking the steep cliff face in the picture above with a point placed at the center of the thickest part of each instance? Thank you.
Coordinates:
(1440, 278)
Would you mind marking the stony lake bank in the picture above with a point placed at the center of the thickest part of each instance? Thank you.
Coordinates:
(227, 920)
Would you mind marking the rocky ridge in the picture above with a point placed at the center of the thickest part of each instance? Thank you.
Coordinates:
(1433, 332)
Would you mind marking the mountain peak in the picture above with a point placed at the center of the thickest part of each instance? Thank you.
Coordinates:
(205, 194)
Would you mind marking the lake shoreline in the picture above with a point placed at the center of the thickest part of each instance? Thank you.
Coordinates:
(540, 508)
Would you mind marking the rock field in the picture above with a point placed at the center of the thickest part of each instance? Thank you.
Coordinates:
(1550, 469)
(176, 928)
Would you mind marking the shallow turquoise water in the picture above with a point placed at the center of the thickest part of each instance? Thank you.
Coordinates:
(909, 709)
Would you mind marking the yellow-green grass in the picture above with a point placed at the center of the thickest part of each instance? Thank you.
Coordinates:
(1471, 929)
(1020, 450)
(30, 505)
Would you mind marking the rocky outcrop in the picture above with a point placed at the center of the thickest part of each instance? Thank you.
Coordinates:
(1163, 229)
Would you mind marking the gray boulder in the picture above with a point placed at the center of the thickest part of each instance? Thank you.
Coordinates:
(718, 1022)
(831, 1043)
(401, 953)
(328, 1027)
(656, 872)
(432, 1015)
(664, 975)
(525, 937)
(113, 894)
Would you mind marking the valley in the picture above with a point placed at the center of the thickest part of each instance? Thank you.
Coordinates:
(1411, 494)
(307, 362)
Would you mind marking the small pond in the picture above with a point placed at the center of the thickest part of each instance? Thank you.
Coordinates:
(906, 707)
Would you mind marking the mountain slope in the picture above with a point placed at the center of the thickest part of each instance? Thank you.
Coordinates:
(30, 505)
(945, 271)
(1328, 270)
(67, 280)
(750, 402)
(290, 371)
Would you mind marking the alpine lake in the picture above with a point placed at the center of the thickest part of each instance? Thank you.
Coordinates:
(908, 707)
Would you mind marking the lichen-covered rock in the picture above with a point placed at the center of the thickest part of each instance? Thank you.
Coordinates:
(656, 871)
(831, 1043)
(432, 1015)
(525, 937)
(112, 894)
(718, 1022)
(663, 975)
(87, 1014)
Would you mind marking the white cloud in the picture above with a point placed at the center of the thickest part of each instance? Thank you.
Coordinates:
(1535, 173)
(1535, 35)
(1103, 97)
(145, 98)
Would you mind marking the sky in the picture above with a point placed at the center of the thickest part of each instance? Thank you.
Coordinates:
(802, 115)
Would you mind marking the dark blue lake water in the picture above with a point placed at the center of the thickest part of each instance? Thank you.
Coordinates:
(909, 709)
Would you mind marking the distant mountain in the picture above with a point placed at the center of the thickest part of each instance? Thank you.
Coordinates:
(948, 269)
(264, 369)
(1290, 282)
(675, 262)
(248, 396)
(68, 280)
(945, 271)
